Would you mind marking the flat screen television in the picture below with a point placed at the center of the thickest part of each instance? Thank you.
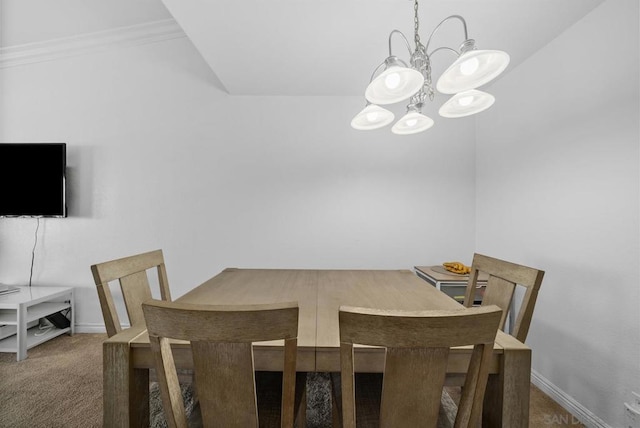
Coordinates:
(32, 179)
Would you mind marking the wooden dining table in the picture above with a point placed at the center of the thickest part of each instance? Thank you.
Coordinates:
(320, 293)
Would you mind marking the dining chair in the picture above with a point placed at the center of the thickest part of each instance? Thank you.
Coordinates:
(132, 274)
(221, 339)
(410, 392)
(504, 276)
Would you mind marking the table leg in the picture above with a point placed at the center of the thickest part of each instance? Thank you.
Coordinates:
(21, 332)
(506, 402)
(125, 389)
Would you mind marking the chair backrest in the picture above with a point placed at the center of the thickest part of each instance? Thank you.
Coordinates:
(131, 272)
(221, 339)
(417, 350)
(500, 290)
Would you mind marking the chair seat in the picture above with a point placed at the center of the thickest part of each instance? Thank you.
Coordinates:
(368, 394)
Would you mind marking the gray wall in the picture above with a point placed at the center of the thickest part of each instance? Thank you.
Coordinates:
(158, 157)
(558, 187)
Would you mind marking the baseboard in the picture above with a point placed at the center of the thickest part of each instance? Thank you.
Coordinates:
(580, 412)
(90, 328)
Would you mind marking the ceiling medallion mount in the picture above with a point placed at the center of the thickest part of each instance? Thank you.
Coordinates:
(394, 81)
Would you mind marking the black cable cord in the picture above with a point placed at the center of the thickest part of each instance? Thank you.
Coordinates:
(33, 251)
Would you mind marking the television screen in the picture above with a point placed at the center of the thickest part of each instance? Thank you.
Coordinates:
(32, 179)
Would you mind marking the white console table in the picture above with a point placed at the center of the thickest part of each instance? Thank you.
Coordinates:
(455, 285)
(30, 304)
(452, 284)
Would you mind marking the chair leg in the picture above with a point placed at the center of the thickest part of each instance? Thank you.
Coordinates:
(301, 413)
(336, 406)
(300, 419)
(336, 419)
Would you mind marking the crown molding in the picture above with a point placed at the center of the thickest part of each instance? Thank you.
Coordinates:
(50, 50)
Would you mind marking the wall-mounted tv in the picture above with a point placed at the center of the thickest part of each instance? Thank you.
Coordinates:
(32, 179)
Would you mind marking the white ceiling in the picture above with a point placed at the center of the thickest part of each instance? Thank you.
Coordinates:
(303, 47)
(331, 47)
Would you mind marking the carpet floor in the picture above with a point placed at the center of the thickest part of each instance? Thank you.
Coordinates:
(59, 385)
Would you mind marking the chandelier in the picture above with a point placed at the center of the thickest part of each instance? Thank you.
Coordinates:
(394, 81)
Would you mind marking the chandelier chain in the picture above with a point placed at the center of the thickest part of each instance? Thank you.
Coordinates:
(420, 61)
(416, 23)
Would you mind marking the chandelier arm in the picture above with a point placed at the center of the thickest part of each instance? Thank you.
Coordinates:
(403, 37)
(376, 70)
(464, 25)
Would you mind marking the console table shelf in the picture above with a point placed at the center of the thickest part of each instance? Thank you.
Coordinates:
(28, 305)
(8, 316)
(10, 344)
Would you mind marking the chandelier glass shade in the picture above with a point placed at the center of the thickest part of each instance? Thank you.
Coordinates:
(372, 117)
(466, 103)
(471, 70)
(395, 81)
(412, 123)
